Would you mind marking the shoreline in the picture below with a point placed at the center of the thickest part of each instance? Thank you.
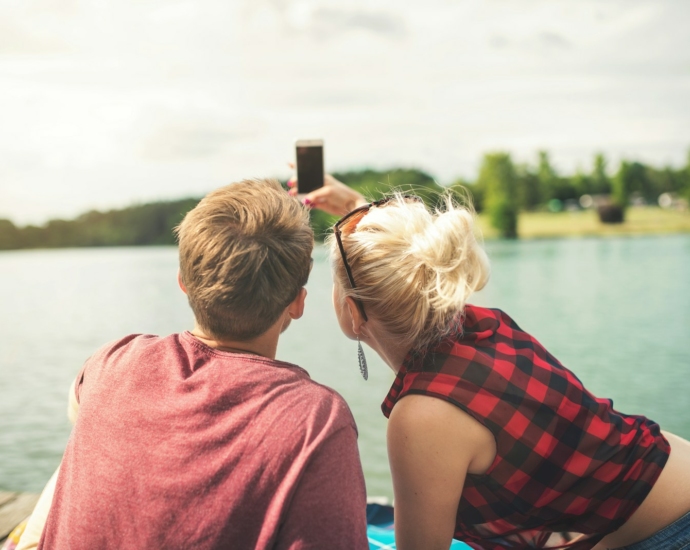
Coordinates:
(640, 221)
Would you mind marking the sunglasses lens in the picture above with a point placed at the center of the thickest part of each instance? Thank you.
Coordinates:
(348, 226)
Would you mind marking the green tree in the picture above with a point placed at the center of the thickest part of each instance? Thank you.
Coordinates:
(601, 183)
(529, 188)
(497, 176)
(552, 186)
(32, 236)
(547, 177)
(621, 185)
(146, 224)
(666, 180)
(639, 181)
(582, 183)
(9, 235)
(632, 177)
(684, 180)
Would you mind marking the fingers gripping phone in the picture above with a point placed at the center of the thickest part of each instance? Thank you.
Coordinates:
(310, 168)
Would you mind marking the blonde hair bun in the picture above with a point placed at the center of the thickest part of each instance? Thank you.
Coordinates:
(415, 268)
(448, 248)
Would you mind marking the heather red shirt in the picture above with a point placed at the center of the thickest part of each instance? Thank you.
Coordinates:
(178, 445)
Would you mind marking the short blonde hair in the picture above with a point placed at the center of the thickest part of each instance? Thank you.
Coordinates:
(245, 252)
(414, 268)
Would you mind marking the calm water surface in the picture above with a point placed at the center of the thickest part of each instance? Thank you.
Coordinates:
(615, 311)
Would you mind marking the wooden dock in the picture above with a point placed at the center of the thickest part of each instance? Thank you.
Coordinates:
(14, 507)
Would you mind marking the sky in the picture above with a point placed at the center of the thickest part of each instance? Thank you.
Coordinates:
(104, 104)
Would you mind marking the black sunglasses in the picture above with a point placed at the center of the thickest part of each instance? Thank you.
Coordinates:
(363, 210)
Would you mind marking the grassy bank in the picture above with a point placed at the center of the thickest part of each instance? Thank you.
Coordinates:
(585, 223)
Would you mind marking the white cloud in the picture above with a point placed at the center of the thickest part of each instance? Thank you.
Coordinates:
(105, 103)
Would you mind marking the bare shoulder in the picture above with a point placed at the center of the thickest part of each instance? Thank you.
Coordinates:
(432, 446)
(440, 426)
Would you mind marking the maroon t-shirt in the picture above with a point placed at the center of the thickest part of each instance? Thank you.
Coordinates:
(178, 445)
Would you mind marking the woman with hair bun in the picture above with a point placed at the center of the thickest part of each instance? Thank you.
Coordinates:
(491, 439)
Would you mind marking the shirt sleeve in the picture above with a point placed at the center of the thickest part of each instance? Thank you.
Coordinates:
(328, 509)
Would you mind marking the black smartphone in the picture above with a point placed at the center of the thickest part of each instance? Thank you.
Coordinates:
(310, 169)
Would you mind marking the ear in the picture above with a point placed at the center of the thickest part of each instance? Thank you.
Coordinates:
(356, 316)
(296, 307)
(181, 282)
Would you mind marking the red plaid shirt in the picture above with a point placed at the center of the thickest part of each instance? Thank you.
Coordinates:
(566, 461)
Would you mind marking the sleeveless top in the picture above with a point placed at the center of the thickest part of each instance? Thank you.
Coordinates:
(569, 468)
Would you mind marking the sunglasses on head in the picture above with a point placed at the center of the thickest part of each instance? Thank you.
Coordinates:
(348, 222)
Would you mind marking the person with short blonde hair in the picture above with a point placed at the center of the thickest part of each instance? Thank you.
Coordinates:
(245, 253)
(203, 439)
(491, 439)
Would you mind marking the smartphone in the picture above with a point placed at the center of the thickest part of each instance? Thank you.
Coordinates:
(310, 169)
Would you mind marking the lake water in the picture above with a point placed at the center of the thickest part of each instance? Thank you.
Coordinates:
(615, 311)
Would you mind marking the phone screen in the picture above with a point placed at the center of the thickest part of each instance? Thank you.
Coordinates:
(309, 165)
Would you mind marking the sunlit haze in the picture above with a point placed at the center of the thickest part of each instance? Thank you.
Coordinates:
(104, 104)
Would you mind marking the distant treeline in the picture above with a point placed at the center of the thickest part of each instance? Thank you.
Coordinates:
(502, 189)
(146, 224)
(536, 186)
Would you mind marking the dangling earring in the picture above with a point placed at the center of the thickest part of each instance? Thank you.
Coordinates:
(362, 360)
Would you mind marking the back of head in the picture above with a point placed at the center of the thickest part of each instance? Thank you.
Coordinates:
(245, 252)
(414, 268)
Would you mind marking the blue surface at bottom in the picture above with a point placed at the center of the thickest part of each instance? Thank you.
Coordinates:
(380, 530)
(384, 539)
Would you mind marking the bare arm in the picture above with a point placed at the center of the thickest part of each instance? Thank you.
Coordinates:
(432, 445)
(333, 198)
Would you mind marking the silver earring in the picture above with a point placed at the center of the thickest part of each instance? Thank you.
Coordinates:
(362, 361)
